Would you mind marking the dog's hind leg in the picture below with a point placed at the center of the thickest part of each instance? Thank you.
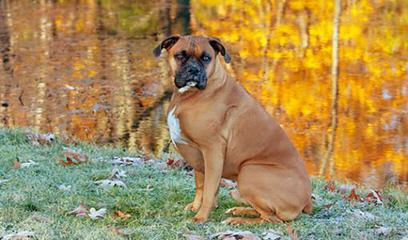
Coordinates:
(274, 194)
(242, 211)
(263, 218)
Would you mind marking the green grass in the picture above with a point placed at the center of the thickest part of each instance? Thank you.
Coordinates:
(31, 200)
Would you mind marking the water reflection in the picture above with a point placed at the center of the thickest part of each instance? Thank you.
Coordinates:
(84, 69)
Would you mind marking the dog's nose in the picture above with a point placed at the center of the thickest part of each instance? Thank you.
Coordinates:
(193, 71)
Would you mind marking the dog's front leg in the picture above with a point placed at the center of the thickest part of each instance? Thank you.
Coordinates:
(199, 184)
(213, 164)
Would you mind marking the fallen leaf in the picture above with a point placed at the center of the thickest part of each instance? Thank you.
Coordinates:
(344, 188)
(127, 160)
(80, 211)
(41, 139)
(229, 235)
(116, 230)
(64, 188)
(28, 164)
(327, 205)
(73, 157)
(363, 215)
(179, 163)
(16, 164)
(120, 214)
(228, 184)
(95, 214)
(110, 183)
(353, 196)
(2, 181)
(19, 236)
(189, 236)
(330, 186)
(374, 196)
(291, 232)
(317, 198)
(116, 173)
(272, 235)
(170, 162)
(383, 231)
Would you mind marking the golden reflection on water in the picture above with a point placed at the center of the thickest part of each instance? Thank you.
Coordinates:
(84, 69)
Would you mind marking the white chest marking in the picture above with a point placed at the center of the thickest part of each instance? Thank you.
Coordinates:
(174, 128)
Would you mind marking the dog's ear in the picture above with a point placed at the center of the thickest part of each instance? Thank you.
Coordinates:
(219, 48)
(166, 43)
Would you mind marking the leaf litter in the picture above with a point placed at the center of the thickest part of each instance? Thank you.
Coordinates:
(80, 211)
(23, 235)
(96, 214)
(41, 139)
(17, 164)
(73, 157)
(230, 235)
(107, 183)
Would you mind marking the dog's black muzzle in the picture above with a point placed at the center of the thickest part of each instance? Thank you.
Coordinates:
(191, 71)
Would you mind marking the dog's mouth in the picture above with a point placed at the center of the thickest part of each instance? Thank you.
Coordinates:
(185, 81)
(187, 87)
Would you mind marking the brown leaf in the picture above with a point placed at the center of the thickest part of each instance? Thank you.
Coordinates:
(80, 211)
(353, 196)
(170, 162)
(291, 232)
(73, 157)
(179, 163)
(120, 214)
(330, 186)
(374, 196)
(16, 164)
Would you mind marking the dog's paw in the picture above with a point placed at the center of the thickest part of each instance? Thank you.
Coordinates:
(199, 219)
(233, 221)
(192, 207)
(232, 211)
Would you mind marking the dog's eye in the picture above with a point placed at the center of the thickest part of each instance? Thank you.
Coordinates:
(180, 57)
(206, 58)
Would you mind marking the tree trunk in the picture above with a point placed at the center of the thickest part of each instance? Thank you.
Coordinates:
(331, 137)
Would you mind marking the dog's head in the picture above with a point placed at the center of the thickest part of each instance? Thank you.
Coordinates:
(192, 59)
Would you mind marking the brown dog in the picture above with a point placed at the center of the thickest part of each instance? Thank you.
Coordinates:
(222, 131)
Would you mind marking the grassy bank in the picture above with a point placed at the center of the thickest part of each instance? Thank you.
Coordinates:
(39, 198)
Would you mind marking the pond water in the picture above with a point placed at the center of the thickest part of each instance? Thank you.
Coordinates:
(85, 69)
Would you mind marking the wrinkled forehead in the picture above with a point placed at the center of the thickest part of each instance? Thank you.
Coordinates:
(193, 45)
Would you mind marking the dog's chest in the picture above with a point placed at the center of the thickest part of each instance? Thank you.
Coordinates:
(174, 128)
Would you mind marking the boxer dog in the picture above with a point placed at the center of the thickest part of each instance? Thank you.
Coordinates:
(222, 131)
